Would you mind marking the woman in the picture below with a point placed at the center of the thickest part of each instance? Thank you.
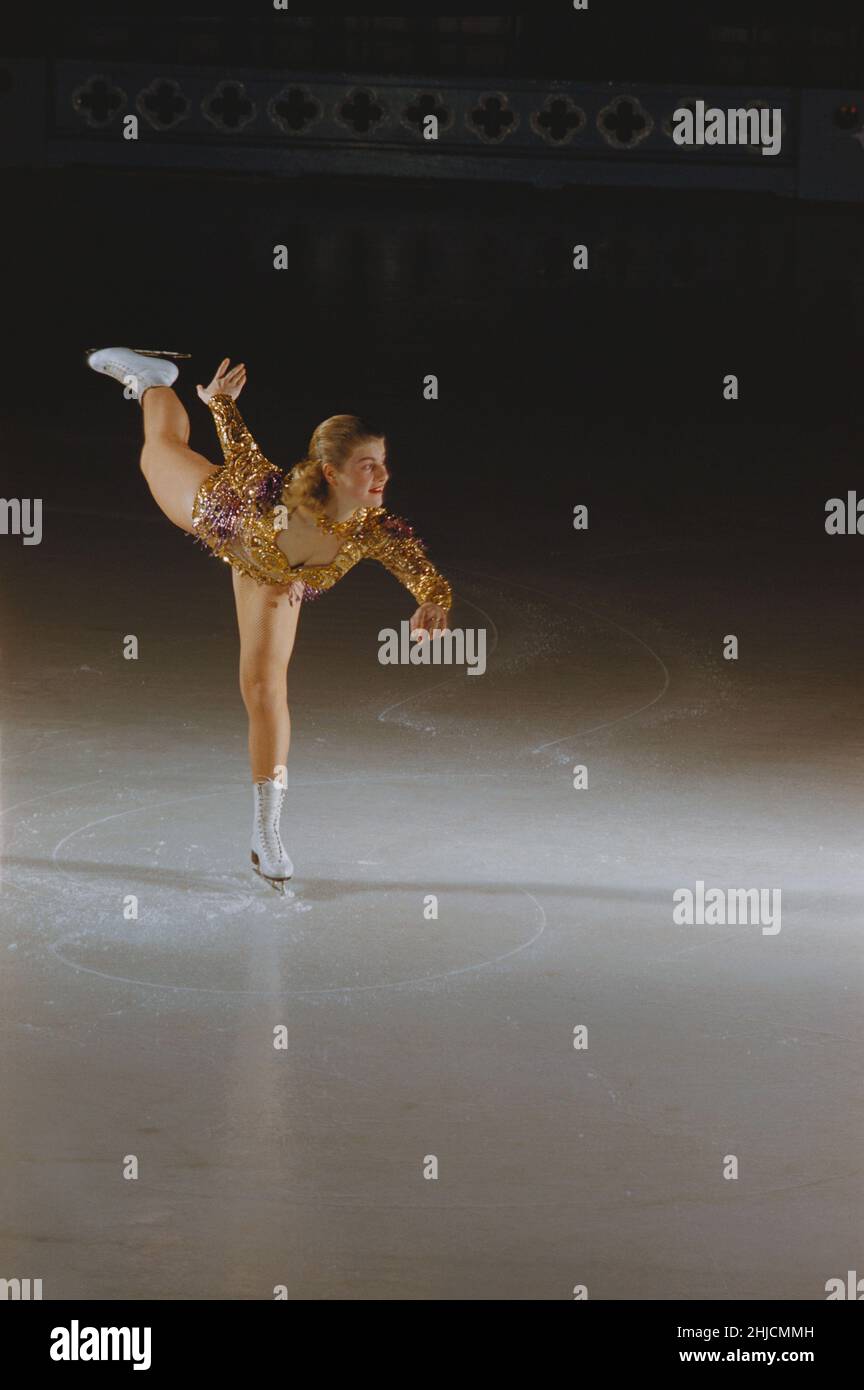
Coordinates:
(286, 539)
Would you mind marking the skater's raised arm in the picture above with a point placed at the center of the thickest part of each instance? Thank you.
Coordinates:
(220, 396)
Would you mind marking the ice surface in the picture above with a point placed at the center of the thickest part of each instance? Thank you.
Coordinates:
(453, 1036)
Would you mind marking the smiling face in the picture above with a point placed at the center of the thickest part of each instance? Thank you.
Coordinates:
(361, 480)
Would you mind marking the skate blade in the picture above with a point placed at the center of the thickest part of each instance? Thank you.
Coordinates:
(279, 884)
(145, 352)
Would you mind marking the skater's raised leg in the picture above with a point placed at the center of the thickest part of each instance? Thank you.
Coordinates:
(174, 472)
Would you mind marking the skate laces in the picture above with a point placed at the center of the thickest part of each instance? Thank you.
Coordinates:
(271, 825)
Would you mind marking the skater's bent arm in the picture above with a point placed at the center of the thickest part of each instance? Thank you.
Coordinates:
(395, 546)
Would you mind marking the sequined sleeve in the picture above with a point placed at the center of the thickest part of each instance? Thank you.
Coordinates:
(393, 544)
(234, 437)
(244, 488)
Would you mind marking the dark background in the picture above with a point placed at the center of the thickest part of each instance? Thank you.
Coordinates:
(769, 41)
(555, 387)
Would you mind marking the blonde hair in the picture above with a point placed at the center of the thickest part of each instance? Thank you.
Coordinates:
(332, 442)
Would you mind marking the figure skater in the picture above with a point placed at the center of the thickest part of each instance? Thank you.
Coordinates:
(287, 539)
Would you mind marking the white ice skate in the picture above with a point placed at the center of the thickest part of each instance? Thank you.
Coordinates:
(269, 855)
(134, 369)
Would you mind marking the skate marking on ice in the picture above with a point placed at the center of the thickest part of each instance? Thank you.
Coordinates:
(580, 608)
(354, 780)
(599, 618)
(207, 883)
(78, 935)
(55, 792)
(439, 685)
(231, 897)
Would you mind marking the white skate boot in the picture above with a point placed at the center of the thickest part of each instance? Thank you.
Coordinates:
(269, 855)
(137, 371)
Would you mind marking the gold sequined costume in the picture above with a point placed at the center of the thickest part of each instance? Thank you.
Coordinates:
(234, 515)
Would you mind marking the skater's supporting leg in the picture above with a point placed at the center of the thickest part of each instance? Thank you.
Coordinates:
(174, 472)
(267, 616)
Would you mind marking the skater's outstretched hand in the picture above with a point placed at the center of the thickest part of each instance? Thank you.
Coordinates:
(227, 381)
(431, 618)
